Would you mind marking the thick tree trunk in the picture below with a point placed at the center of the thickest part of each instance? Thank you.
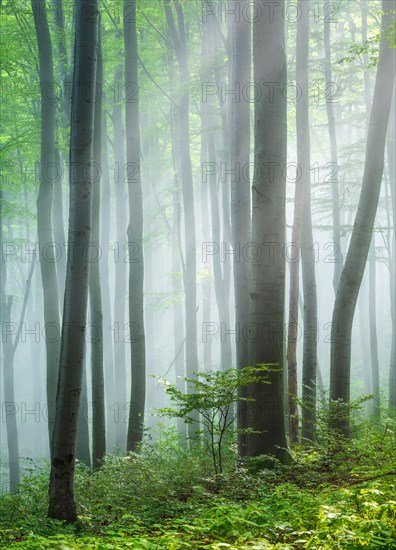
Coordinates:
(135, 238)
(95, 290)
(62, 505)
(269, 223)
(352, 274)
(44, 205)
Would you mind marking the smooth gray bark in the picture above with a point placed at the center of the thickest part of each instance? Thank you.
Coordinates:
(268, 226)
(120, 285)
(45, 203)
(355, 263)
(391, 149)
(95, 288)
(339, 259)
(240, 198)
(309, 375)
(135, 238)
(62, 504)
(107, 313)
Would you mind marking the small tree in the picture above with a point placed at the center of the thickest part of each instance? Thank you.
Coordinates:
(214, 396)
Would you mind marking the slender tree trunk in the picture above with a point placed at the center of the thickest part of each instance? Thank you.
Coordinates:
(302, 180)
(206, 280)
(352, 274)
(3, 274)
(62, 505)
(83, 452)
(178, 312)
(220, 264)
(222, 227)
(59, 20)
(178, 37)
(373, 329)
(10, 348)
(95, 290)
(59, 227)
(308, 254)
(240, 200)
(120, 294)
(178, 267)
(339, 259)
(365, 343)
(391, 145)
(372, 253)
(135, 238)
(9, 403)
(269, 223)
(45, 202)
(107, 313)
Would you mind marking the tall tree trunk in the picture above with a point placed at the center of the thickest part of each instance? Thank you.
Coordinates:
(300, 196)
(308, 254)
(206, 280)
(372, 253)
(95, 290)
(391, 148)
(339, 259)
(107, 313)
(178, 37)
(135, 238)
(222, 271)
(45, 202)
(120, 294)
(269, 226)
(352, 273)
(240, 199)
(177, 267)
(220, 267)
(62, 505)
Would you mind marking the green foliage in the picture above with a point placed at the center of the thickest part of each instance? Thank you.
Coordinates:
(214, 396)
(164, 497)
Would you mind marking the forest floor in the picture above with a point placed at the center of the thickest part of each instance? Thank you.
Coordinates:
(165, 497)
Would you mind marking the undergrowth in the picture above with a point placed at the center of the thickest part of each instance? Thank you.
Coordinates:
(167, 497)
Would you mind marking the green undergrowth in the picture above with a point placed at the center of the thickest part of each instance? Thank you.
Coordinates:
(166, 497)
